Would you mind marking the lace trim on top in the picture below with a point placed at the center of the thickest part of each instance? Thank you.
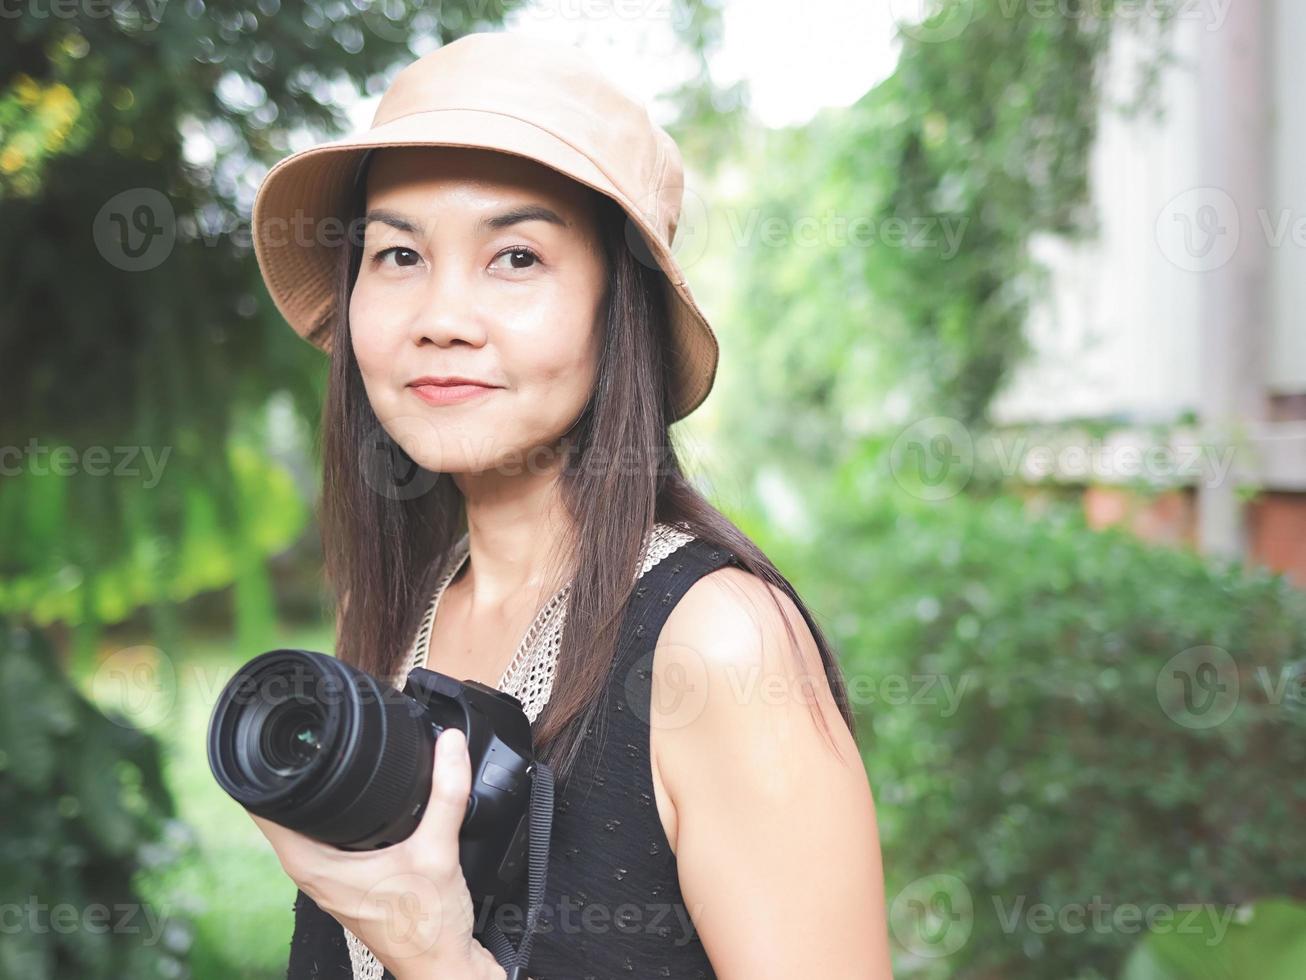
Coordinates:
(528, 677)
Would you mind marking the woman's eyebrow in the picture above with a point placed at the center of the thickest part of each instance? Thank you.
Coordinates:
(392, 218)
(525, 212)
(513, 216)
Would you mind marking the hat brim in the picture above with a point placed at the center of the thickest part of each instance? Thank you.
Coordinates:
(297, 226)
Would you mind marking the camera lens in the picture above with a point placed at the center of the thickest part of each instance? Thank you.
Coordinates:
(292, 736)
(322, 748)
(325, 749)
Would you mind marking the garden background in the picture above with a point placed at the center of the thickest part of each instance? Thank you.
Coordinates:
(1085, 740)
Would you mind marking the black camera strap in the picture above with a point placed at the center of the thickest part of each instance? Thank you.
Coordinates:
(541, 821)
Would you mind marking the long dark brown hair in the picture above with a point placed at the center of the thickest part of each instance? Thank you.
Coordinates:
(384, 551)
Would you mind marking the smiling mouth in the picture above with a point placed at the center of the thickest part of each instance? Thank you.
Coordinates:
(449, 394)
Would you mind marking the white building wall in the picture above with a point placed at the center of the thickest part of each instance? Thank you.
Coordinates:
(1286, 372)
(1119, 333)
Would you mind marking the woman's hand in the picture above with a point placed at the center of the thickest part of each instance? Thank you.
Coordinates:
(408, 902)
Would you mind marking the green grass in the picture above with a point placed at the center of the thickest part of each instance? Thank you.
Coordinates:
(239, 899)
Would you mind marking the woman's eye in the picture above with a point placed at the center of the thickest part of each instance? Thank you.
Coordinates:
(516, 255)
(519, 258)
(381, 256)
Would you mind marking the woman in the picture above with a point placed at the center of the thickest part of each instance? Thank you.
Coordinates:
(510, 339)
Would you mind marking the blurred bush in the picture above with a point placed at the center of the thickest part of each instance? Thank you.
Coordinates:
(86, 816)
(1058, 715)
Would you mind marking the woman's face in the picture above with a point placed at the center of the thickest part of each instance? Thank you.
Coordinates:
(484, 266)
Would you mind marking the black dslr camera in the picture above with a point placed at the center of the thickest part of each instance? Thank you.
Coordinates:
(318, 746)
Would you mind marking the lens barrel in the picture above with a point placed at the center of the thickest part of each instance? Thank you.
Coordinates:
(314, 744)
(318, 746)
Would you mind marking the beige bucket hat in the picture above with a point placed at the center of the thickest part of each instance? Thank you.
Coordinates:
(530, 96)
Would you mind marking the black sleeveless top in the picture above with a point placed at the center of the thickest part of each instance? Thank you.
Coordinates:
(612, 903)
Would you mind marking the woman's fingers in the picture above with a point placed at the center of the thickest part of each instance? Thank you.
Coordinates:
(451, 784)
(432, 846)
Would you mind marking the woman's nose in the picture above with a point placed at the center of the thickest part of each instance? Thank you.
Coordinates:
(449, 309)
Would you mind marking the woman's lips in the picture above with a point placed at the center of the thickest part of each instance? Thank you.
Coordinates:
(449, 394)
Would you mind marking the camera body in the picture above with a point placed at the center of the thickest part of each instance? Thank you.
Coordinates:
(496, 828)
(316, 745)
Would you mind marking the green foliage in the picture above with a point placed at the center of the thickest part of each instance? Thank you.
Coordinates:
(134, 322)
(711, 120)
(173, 541)
(86, 815)
(1267, 942)
(882, 258)
(1021, 683)
(241, 901)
